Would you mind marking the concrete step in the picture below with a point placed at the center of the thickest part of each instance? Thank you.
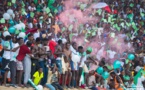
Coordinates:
(12, 88)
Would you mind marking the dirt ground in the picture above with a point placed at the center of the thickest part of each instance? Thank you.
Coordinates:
(11, 88)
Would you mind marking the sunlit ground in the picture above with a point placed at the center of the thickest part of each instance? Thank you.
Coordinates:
(11, 88)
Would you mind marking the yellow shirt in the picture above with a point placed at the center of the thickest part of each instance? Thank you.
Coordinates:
(56, 28)
(37, 77)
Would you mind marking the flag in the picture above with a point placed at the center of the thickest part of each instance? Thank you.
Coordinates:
(107, 8)
(138, 75)
(82, 81)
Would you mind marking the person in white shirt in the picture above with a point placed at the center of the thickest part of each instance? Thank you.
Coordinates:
(13, 63)
(37, 34)
(30, 24)
(6, 57)
(111, 54)
(75, 58)
(32, 7)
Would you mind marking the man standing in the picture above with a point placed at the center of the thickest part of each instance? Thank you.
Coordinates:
(27, 64)
(14, 53)
(58, 53)
(6, 57)
(35, 51)
(43, 60)
(24, 50)
(67, 74)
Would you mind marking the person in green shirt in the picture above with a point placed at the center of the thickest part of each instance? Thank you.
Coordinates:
(82, 66)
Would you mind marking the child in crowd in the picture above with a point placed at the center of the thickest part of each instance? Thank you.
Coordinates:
(38, 75)
(53, 80)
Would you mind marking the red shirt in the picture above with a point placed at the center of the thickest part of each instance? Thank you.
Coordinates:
(22, 52)
(33, 30)
(52, 44)
(115, 12)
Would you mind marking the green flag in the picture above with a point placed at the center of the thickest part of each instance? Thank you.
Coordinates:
(70, 36)
(2, 20)
(70, 27)
(23, 11)
(47, 10)
(55, 11)
(142, 14)
(131, 5)
(109, 19)
(5, 28)
(35, 1)
(32, 14)
(17, 32)
(112, 35)
(122, 24)
(83, 6)
(94, 33)
(50, 15)
(63, 29)
(130, 16)
(23, 4)
(99, 11)
(82, 81)
(51, 2)
(23, 30)
(134, 26)
(138, 75)
(13, 1)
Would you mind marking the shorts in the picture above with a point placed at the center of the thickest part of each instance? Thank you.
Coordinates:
(19, 65)
(59, 66)
(5, 64)
(73, 67)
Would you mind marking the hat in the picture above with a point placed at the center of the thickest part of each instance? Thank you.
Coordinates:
(89, 49)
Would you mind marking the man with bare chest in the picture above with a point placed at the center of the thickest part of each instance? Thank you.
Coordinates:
(67, 73)
(67, 51)
(58, 53)
(35, 51)
(43, 62)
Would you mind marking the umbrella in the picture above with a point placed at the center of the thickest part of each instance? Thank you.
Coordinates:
(100, 5)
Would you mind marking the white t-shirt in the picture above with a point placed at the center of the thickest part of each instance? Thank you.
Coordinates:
(100, 31)
(7, 54)
(75, 57)
(36, 35)
(137, 68)
(111, 54)
(31, 8)
(14, 54)
(30, 25)
(100, 54)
